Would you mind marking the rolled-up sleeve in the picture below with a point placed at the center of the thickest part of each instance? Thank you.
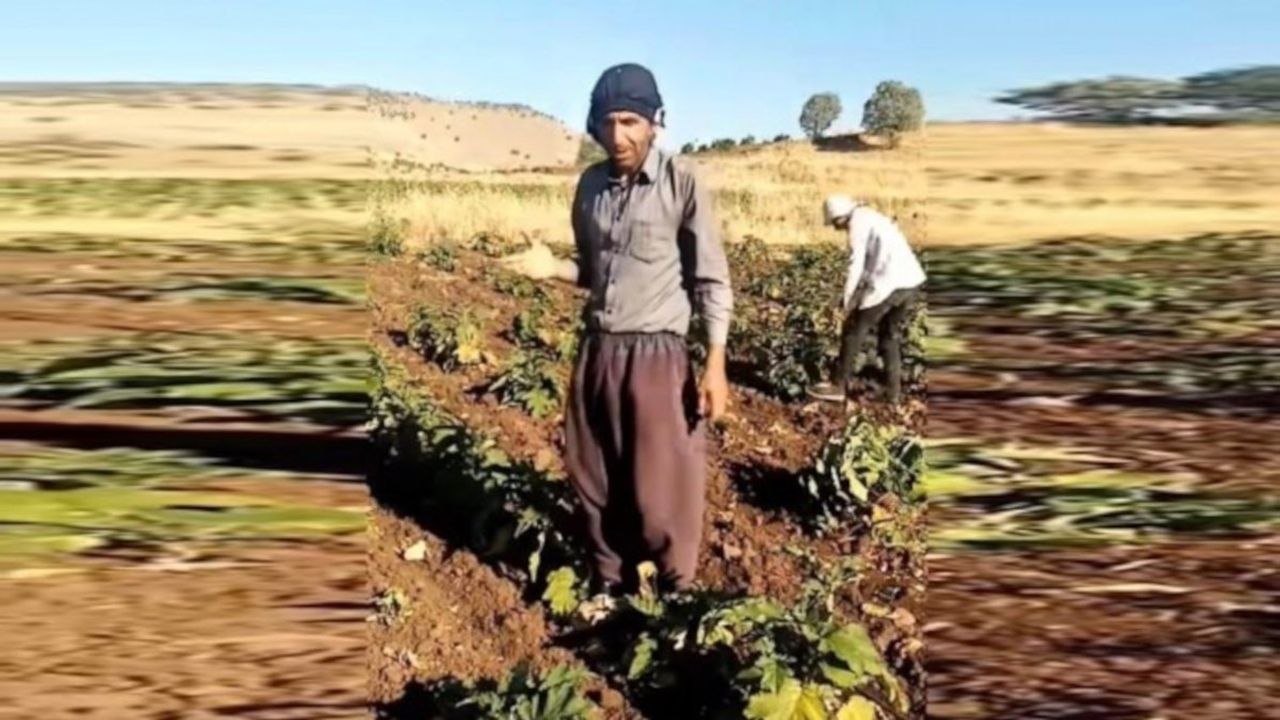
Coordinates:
(712, 292)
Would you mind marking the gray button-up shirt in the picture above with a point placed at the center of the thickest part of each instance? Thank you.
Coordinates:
(650, 251)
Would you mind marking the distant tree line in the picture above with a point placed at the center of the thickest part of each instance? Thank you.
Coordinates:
(1243, 94)
(1230, 95)
(730, 143)
(893, 109)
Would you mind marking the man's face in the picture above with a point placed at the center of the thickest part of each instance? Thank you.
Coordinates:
(627, 137)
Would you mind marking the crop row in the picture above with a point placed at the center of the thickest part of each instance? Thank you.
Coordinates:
(751, 655)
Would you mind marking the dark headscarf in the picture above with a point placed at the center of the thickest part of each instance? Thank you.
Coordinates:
(624, 87)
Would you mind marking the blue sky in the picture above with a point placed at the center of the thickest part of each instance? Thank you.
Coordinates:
(725, 68)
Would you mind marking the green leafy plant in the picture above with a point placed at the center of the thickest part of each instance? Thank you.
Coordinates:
(754, 258)
(857, 466)
(450, 338)
(558, 694)
(765, 660)
(788, 320)
(531, 326)
(442, 255)
(386, 235)
(505, 510)
(562, 593)
(532, 382)
(515, 285)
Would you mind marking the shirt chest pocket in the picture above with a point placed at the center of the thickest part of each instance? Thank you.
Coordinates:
(651, 241)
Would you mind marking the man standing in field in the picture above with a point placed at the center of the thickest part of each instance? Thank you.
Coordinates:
(882, 287)
(648, 251)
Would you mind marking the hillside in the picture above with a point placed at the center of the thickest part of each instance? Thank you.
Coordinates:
(265, 131)
(967, 183)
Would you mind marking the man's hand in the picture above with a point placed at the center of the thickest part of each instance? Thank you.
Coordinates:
(537, 262)
(713, 391)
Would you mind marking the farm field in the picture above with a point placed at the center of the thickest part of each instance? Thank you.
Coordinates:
(1055, 496)
(189, 324)
(1098, 403)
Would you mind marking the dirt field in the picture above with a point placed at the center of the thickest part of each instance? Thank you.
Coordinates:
(1023, 618)
(1145, 594)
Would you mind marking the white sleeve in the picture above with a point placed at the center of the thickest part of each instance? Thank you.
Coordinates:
(859, 239)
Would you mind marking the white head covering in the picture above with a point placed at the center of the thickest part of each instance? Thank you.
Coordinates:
(837, 206)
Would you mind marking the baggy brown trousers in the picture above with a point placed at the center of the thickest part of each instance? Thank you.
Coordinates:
(635, 449)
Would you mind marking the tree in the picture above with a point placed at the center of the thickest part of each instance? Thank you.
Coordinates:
(820, 111)
(748, 140)
(1249, 89)
(782, 137)
(1115, 99)
(894, 108)
(687, 149)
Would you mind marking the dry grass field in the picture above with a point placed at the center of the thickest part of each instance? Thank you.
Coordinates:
(956, 184)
